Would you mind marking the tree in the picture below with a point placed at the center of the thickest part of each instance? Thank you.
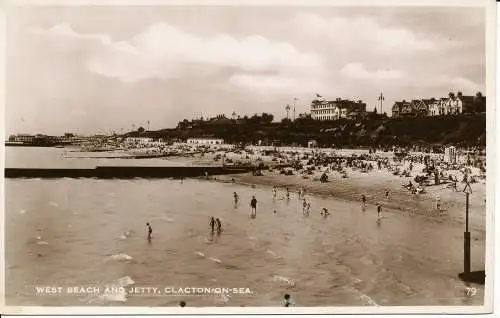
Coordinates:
(267, 118)
(375, 110)
(141, 129)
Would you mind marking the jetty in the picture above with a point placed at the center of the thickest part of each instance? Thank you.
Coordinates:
(124, 172)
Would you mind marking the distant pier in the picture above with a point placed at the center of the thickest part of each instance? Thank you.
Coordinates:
(120, 172)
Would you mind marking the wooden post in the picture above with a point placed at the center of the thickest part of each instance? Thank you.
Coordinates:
(467, 237)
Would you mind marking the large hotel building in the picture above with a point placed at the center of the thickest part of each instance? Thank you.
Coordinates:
(334, 110)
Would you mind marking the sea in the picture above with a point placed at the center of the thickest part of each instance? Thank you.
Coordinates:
(69, 240)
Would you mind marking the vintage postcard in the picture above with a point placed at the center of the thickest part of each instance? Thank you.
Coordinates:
(246, 157)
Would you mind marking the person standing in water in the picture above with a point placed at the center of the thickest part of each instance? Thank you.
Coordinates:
(387, 194)
(287, 194)
(253, 205)
(304, 207)
(212, 223)
(236, 198)
(150, 231)
(219, 225)
(379, 210)
(363, 200)
(274, 191)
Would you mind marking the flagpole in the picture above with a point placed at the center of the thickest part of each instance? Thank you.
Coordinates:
(294, 108)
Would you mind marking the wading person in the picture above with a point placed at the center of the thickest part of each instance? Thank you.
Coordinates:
(379, 210)
(212, 223)
(274, 191)
(236, 198)
(150, 231)
(219, 225)
(363, 200)
(253, 206)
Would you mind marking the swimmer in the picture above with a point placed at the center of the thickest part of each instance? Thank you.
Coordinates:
(325, 212)
(287, 194)
(182, 303)
(287, 301)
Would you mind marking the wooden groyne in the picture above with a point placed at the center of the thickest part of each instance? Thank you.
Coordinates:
(128, 172)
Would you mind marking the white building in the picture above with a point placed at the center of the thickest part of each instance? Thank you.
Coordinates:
(138, 140)
(22, 138)
(335, 109)
(325, 111)
(450, 155)
(205, 141)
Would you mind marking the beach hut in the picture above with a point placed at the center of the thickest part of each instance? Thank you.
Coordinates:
(312, 144)
(450, 155)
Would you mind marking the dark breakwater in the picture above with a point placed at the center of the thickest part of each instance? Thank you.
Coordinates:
(123, 172)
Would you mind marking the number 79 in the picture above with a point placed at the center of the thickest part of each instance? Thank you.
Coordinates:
(470, 291)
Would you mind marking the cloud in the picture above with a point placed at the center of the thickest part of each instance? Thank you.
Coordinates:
(360, 34)
(165, 51)
(358, 71)
(458, 83)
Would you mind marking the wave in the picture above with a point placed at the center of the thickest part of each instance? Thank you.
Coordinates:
(199, 254)
(216, 260)
(42, 243)
(22, 211)
(290, 282)
(126, 235)
(273, 254)
(167, 219)
(53, 203)
(115, 290)
(121, 257)
(367, 300)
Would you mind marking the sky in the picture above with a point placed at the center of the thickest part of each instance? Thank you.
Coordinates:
(106, 69)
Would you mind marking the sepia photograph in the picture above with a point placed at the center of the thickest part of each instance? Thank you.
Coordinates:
(323, 156)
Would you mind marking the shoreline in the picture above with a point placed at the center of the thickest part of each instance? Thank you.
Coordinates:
(400, 201)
